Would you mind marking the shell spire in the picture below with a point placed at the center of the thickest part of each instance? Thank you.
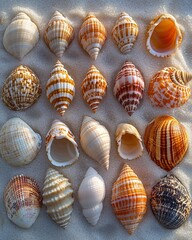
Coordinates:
(181, 77)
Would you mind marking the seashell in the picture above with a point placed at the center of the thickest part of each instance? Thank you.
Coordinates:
(22, 199)
(20, 36)
(129, 87)
(93, 88)
(58, 34)
(95, 141)
(125, 33)
(168, 88)
(91, 194)
(19, 144)
(163, 36)
(129, 141)
(129, 199)
(166, 141)
(92, 35)
(58, 197)
(61, 147)
(170, 202)
(21, 89)
(60, 88)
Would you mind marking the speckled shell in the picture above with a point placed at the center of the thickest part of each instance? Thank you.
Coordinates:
(129, 87)
(166, 141)
(125, 33)
(170, 202)
(129, 199)
(58, 197)
(93, 88)
(58, 34)
(22, 199)
(60, 88)
(92, 35)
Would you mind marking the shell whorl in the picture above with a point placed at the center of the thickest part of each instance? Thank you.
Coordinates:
(21, 16)
(180, 77)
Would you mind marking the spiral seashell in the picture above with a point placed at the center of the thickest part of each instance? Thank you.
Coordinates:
(22, 199)
(170, 202)
(129, 87)
(91, 194)
(60, 88)
(20, 36)
(166, 141)
(129, 199)
(58, 197)
(125, 33)
(92, 35)
(95, 141)
(58, 34)
(93, 88)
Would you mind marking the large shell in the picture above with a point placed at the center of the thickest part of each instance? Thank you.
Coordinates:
(92, 35)
(21, 89)
(58, 34)
(93, 88)
(166, 141)
(129, 87)
(170, 202)
(125, 33)
(58, 197)
(22, 199)
(91, 194)
(20, 36)
(95, 141)
(60, 88)
(19, 144)
(129, 199)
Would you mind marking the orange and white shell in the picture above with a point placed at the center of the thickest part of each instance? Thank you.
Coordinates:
(93, 88)
(129, 199)
(92, 35)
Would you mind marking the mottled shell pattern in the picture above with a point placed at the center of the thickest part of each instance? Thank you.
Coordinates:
(91, 194)
(22, 199)
(166, 141)
(129, 87)
(129, 199)
(170, 202)
(58, 197)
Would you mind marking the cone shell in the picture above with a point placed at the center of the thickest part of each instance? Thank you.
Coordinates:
(22, 199)
(166, 141)
(129, 199)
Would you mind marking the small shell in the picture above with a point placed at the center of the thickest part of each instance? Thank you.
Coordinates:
(20, 36)
(166, 141)
(58, 34)
(170, 202)
(125, 33)
(129, 87)
(129, 199)
(22, 199)
(93, 88)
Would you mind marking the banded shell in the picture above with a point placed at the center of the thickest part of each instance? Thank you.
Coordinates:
(91, 194)
(93, 88)
(21, 89)
(22, 199)
(163, 36)
(58, 197)
(95, 141)
(170, 202)
(129, 87)
(166, 141)
(92, 35)
(58, 34)
(125, 33)
(129, 199)
(60, 88)
(20, 36)
(19, 144)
